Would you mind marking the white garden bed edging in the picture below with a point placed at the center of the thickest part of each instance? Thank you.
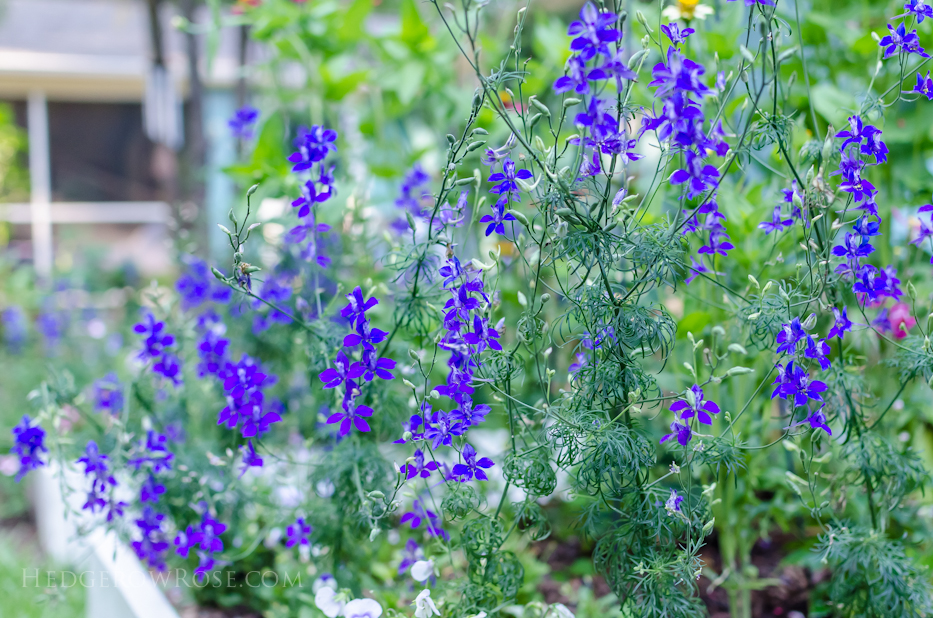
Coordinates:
(115, 582)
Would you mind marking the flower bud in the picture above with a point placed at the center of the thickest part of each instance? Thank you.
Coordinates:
(810, 322)
(911, 291)
(570, 101)
(252, 190)
(218, 274)
(643, 21)
(541, 106)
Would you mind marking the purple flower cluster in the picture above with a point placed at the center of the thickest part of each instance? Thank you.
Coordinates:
(693, 405)
(899, 41)
(870, 283)
(100, 496)
(792, 203)
(108, 394)
(15, 328)
(28, 445)
(156, 344)
(198, 285)
(369, 365)
(205, 540)
(212, 345)
(794, 383)
(313, 146)
(246, 407)
(241, 125)
(680, 125)
(153, 458)
(597, 57)
(152, 544)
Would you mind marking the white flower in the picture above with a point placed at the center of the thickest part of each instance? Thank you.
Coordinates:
(362, 608)
(560, 610)
(329, 601)
(479, 615)
(422, 570)
(424, 605)
(326, 580)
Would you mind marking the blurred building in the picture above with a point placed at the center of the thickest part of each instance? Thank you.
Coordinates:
(105, 94)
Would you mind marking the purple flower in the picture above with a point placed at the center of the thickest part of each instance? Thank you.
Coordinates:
(419, 514)
(313, 145)
(857, 132)
(371, 366)
(365, 335)
(241, 125)
(841, 326)
(507, 177)
(212, 350)
(417, 466)
(483, 335)
(697, 268)
(777, 223)
(28, 444)
(15, 327)
(207, 538)
(198, 285)
(410, 555)
(356, 310)
(467, 414)
(471, 466)
(96, 468)
(682, 431)
(673, 502)
(497, 218)
(155, 338)
(678, 74)
(153, 451)
(151, 490)
(924, 84)
(168, 366)
(818, 351)
(250, 458)
(899, 40)
(152, 546)
(343, 372)
(816, 420)
(352, 415)
(578, 77)
(311, 195)
(108, 394)
(789, 336)
(442, 429)
(696, 405)
(673, 32)
(918, 8)
(794, 382)
(413, 190)
(297, 533)
(697, 173)
(593, 31)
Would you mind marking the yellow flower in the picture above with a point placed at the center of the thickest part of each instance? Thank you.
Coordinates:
(687, 10)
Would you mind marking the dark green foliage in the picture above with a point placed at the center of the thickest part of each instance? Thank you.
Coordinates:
(872, 576)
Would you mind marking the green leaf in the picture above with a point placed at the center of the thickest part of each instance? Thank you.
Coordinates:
(694, 323)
